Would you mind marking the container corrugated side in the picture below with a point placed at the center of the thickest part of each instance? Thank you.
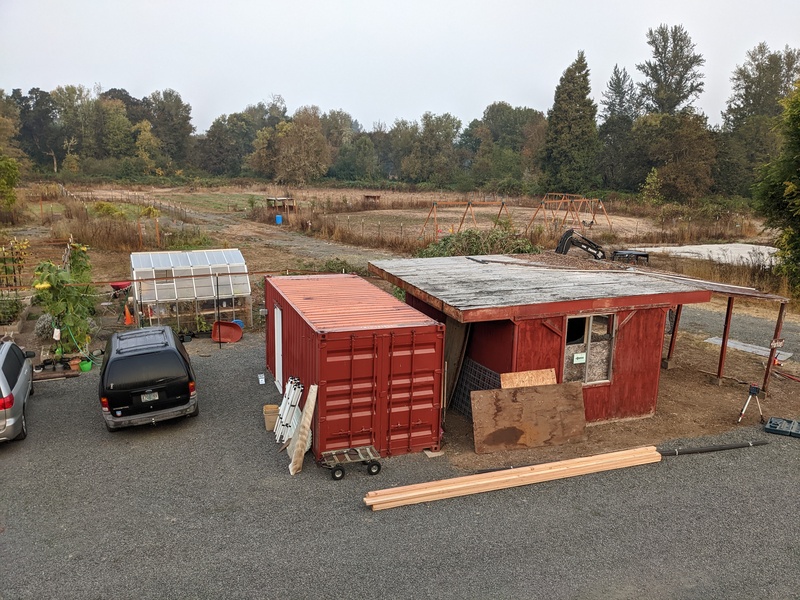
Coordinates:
(382, 388)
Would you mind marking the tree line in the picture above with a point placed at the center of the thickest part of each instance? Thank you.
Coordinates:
(645, 137)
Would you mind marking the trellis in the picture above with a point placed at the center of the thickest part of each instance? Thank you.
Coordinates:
(468, 210)
(557, 209)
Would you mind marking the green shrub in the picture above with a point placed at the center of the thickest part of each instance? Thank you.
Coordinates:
(475, 242)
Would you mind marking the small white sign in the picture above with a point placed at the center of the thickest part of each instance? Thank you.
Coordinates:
(579, 358)
(261, 378)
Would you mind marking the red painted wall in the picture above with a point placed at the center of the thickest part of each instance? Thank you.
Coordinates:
(425, 309)
(492, 344)
(635, 371)
(540, 345)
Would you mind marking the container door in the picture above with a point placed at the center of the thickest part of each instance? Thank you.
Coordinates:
(412, 389)
(278, 348)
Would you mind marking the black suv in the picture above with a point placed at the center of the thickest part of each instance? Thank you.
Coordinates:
(147, 377)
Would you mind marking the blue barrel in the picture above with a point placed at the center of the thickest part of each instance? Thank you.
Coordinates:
(278, 219)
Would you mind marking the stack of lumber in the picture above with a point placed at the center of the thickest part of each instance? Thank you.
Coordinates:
(498, 480)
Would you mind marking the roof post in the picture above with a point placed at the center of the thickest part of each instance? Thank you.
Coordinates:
(725, 334)
(774, 346)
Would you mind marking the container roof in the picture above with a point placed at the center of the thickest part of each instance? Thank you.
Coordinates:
(484, 288)
(190, 275)
(346, 303)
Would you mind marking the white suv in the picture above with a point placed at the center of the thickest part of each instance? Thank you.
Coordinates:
(16, 384)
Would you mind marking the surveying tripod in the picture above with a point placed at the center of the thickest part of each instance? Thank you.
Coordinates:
(754, 390)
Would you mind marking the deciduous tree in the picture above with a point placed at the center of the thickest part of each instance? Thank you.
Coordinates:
(760, 84)
(116, 130)
(303, 153)
(39, 134)
(672, 78)
(682, 149)
(749, 138)
(172, 123)
(433, 157)
(9, 178)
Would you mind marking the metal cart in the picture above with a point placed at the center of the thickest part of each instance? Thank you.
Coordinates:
(336, 459)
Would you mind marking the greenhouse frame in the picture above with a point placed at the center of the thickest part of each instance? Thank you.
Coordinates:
(185, 288)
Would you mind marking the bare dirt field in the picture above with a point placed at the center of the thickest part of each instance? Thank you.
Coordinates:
(691, 402)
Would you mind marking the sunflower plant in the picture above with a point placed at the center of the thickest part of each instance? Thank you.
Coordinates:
(70, 306)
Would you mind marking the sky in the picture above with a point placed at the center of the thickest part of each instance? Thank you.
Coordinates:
(377, 60)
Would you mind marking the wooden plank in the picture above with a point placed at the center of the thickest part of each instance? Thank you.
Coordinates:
(527, 417)
(472, 484)
(298, 445)
(591, 463)
(528, 378)
(517, 482)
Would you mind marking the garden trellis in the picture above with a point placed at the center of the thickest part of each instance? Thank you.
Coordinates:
(12, 263)
(184, 287)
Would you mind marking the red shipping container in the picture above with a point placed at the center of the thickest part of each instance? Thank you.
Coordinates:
(377, 361)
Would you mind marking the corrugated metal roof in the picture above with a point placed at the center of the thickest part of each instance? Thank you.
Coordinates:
(346, 302)
(189, 275)
(480, 284)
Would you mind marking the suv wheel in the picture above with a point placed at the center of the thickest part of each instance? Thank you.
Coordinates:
(24, 431)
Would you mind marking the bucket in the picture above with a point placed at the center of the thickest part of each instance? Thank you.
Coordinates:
(239, 322)
(278, 219)
(85, 365)
(270, 416)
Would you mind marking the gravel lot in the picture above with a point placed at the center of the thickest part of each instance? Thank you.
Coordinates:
(205, 508)
(744, 328)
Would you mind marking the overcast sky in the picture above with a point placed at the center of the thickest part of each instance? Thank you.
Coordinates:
(377, 60)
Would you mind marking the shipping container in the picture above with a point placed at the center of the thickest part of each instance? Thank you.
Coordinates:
(377, 361)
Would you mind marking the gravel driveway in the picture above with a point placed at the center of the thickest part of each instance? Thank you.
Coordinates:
(205, 508)
(744, 328)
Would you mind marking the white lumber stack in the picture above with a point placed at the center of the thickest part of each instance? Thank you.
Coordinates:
(289, 412)
(498, 480)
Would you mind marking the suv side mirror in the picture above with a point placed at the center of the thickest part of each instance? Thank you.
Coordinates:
(30, 354)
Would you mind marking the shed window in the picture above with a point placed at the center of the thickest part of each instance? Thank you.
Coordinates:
(588, 346)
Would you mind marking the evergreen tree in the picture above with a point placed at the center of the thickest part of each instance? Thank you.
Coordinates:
(571, 143)
(618, 155)
(778, 191)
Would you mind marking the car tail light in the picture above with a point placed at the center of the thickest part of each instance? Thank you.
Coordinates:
(192, 387)
(104, 403)
(7, 402)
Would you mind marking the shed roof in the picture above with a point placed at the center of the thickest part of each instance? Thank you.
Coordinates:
(189, 275)
(346, 303)
(483, 288)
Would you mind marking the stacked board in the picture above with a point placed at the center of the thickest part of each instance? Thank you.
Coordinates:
(498, 480)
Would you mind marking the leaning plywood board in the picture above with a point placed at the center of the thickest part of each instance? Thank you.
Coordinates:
(545, 415)
(298, 446)
(528, 378)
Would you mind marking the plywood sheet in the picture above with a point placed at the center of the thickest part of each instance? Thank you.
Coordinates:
(528, 378)
(527, 417)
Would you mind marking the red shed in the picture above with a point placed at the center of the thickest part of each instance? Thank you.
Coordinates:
(604, 328)
(378, 362)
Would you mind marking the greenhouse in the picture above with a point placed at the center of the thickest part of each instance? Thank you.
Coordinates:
(191, 289)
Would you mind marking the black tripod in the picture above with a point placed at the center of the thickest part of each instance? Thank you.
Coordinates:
(754, 390)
